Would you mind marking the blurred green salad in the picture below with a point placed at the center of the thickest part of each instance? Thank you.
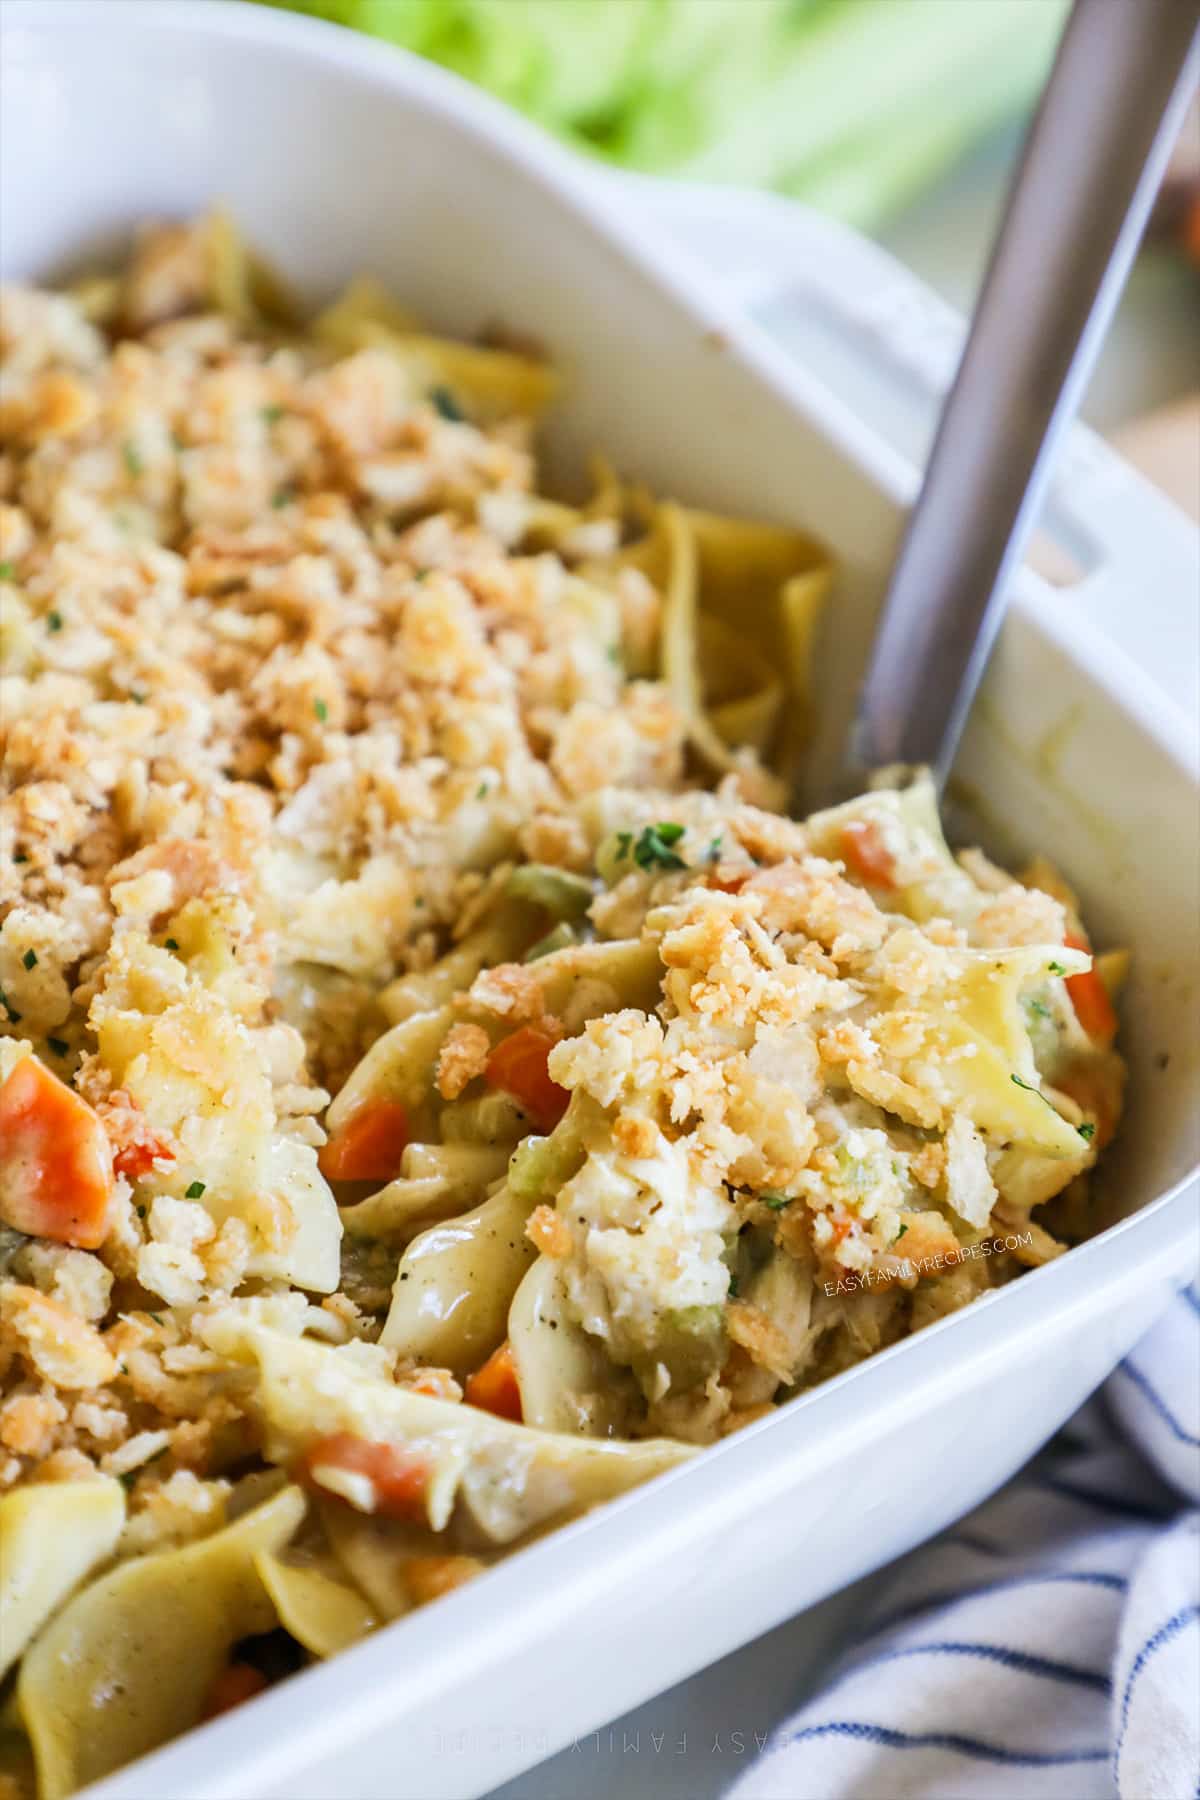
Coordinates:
(853, 105)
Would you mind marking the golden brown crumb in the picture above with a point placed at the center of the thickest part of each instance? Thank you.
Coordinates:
(635, 1135)
(28, 1422)
(61, 1346)
(929, 1164)
(510, 991)
(549, 1231)
(463, 1056)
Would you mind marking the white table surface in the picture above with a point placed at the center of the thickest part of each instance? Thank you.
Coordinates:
(690, 1742)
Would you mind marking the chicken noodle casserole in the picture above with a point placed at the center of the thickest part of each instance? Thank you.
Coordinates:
(440, 1086)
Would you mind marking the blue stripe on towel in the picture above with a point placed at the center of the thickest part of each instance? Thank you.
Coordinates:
(1164, 1635)
(1144, 1387)
(951, 1596)
(967, 1540)
(1121, 1509)
(944, 1740)
(1023, 1661)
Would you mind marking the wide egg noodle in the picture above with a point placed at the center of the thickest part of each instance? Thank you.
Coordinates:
(436, 1182)
(489, 385)
(456, 1281)
(129, 1662)
(502, 936)
(507, 1478)
(741, 604)
(397, 1067)
(929, 881)
(455, 1284)
(51, 1536)
(316, 1606)
(567, 1382)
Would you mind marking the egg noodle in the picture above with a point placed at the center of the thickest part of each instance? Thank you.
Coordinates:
(441, 1088)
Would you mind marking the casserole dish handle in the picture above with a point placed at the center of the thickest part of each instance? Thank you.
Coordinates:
(884, 346)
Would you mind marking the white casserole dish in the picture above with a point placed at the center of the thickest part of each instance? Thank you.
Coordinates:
(337, 155)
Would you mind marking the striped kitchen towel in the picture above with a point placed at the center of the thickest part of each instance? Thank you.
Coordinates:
(1047, 1647)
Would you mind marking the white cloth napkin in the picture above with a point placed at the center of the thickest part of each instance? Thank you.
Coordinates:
(1048, 1647)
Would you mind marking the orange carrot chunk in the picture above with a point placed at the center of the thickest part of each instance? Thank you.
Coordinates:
(56, 1172)
(494, 1387)
(238, 1682)
(136, 1160)
(399, 1476)
(368, 1147)
(517, 1066)
(1089, 997)
(866, 855)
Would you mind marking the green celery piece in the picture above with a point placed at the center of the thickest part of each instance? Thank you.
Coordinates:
(894, 65)
(561, 938)
(561, 894)
(560, 63)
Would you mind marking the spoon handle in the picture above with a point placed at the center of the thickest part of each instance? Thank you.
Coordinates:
(1074, 217)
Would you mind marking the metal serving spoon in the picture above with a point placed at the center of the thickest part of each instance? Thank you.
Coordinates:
(1089, 171)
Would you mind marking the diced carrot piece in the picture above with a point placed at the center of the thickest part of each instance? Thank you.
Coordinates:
(238, 1682)
(398, 1475)
(728, 884)
(368, 1147)
(1090, 998)
(429, 1577)
(864, 850)
(56, 1178)
(517, 1066)
(135, 1160)
(495, 1387)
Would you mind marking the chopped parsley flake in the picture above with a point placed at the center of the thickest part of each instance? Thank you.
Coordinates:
(19, 856)
(133, 461)
(321, 710)
(774, 1200)
(272, 415)
(8, 571)
(1040, 1008)
(713, 852)
(481, 791)
(193, 1192)
(446, 405)
(280, 497)
(13, 1016)
(1056, 968)
(900, 1234)
(157, 1317)
(171, 944)
(59, 1046)
(29, 960)
(1087, 1130)
(127, 1479)
(54, 621)
(1033, 1090)
(624, 844)
(653, 848)
(138, 699)
(733, 1287)
(141, 1211)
